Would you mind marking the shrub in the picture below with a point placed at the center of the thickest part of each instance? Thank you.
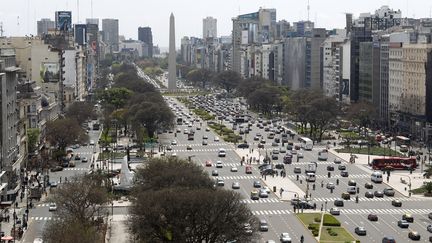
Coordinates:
(317, 219)
(330, 220)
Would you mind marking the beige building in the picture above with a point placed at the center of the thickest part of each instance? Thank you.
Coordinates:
(395, 76)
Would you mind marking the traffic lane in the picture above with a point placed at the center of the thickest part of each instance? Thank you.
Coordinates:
(374, 230)
(289, 223)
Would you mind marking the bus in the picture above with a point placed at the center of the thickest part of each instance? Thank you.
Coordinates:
(394, 163)
(401, 140)
(306, 143)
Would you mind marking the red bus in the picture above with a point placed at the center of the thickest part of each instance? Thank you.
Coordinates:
(394, 163)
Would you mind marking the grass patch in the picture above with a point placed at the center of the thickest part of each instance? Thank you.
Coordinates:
(373, 151)
(227, 134)
(351, 135)
(311, 221)
(335, 234)
(108, 155)
(203, 114)
(330, 220)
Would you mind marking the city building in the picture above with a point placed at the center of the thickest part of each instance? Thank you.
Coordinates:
(209, 28)
(44, 25)
(369, 73)
(110, 28)
(145, 35)
(92, 21)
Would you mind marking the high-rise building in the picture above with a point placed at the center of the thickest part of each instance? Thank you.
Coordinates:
(44, 25)
(209, 28)
(369, 73)
(92, 21)
(110, 29)
(145, 35)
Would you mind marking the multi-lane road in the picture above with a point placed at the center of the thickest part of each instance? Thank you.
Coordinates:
(280, 214)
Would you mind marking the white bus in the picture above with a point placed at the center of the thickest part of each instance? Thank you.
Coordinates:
(306, 143)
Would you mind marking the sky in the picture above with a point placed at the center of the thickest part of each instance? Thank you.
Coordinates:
(19, 16)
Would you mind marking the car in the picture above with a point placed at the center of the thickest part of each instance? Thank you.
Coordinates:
(185, 131)
(92, 143)
(345, 196)
(38, 240)
(339, 203)
(169, 148)
(256, 138)
(77, 157)
(219, 164)
(235, 185)
(263, 193)
(430, 215)
(337, 161)
(388, 239)
(390, 192)
(263, 225)
(205, 137)
(56, 168)
(300, 155)
(429, 228)
(285, 238)
(257, 184)
(368, 185)
(297, 170)
(84, 160)
(216, 139)
(330, 168)
(372, 217)
(344, 173)
(396, 203)
(52, 207)
(334, 211)
(403, 223)
(360, 230)
(294, 152)
(243, 145)
(266, 188)
(204, 142)
(352, 183)
(341, 167)
(275, 157)
(208, 163)
(274, 144)
(178, 130)
(369, 194)
(260, 145)
(282, 150)
(255, 194)
(220, 182)
(414, 235)
(234, 169)
(174, 155)
(222, 152)
(188, 147)
(173, 142)
(330, 185)
(215, 173)
(408, 217)
(378, 194)
(279, 166)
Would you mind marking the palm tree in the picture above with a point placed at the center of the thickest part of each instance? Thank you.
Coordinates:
(428, 172)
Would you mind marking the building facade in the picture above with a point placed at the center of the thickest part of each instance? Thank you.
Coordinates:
(110, 28)
(145, 35)
(209, 28)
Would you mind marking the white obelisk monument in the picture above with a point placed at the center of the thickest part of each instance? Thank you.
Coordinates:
(172, 77)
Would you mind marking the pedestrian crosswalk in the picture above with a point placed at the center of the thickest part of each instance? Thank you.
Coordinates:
(75, 168)
(272, 212)
(333, 176)
(384, 211)
(261, 200)
(196, 150)
(44, 218)
(364, 199)
(239, 177)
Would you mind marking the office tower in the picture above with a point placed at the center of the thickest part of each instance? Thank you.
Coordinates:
(145, 35)
(110, 28)
(209, 28)
(44, 25)
(172, 77)
(92, 21)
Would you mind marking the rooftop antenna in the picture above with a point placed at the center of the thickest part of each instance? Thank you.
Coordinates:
(308, 10)
(28, 16)
(91, 8)
(78, 12)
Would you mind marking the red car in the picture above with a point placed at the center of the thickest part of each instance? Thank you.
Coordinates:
(208, 163)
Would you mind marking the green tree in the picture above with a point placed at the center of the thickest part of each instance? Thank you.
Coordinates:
(80, 111)
(117, 97)
(152, 116)
(227, 80)
(33, 139)
(64, 132)
(428, 187)
(200, 77)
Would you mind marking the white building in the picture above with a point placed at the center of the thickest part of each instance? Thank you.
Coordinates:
(209, 28)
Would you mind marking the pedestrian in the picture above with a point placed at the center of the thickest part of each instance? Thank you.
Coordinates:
(302, 239)
(60, 179)
(321, 207)
(314, 205)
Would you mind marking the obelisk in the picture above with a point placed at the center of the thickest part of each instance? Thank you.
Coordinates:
(172, 77)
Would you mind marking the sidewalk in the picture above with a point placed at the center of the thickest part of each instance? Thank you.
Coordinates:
(117, 231)
(416, 178)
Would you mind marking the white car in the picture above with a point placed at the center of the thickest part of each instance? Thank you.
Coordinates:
(234, 169)
(92, 142)
(267, 189)
(52, 207)
(334, 211)
(330, 185)
(300, 155)
(216, 139)
(285, 238)
(219, 164)
(173, 142)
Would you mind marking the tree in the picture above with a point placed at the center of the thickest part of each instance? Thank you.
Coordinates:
(152, 116)
(33, 139)
(64, 132)
(428, 187)
(79, 205)
(200, 77)
(117, 97)
(80, 111)
(174, 200)
(323, 110)
(362, 113)
(227, 80)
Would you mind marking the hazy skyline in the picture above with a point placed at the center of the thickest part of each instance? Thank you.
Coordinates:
(19, 16)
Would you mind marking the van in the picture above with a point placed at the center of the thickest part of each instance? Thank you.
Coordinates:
(310, 177)
(377, 177)
(323, 155)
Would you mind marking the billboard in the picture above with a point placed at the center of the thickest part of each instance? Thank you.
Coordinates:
(63, 20)
(80, 34)
(50, 72)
